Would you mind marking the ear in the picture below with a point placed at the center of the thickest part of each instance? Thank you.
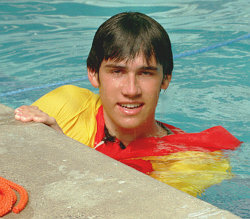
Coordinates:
(93, 78)
(166, 82)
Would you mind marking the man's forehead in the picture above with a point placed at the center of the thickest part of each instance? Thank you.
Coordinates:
(138, 60)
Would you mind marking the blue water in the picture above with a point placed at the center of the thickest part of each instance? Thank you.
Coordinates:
(45, 43)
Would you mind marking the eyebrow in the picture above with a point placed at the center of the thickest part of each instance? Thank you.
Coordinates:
(152, 68)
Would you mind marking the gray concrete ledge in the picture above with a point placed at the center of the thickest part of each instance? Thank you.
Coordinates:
(66, 179)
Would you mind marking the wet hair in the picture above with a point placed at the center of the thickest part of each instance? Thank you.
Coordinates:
(125, 35)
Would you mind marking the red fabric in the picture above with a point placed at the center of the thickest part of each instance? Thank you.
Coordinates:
(215, 138)
(143, 166)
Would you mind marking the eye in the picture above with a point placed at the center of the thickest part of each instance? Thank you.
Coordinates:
(146, 73)
(116, 71)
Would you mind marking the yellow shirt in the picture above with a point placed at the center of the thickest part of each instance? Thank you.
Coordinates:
(74, 109)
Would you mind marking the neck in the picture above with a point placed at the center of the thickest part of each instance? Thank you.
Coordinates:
(128, 135)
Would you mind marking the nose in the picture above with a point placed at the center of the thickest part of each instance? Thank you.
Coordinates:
(131, 87)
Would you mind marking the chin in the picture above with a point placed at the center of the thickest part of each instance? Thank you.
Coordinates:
(131, 124)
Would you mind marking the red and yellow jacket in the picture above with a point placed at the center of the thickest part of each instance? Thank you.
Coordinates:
(190, 162)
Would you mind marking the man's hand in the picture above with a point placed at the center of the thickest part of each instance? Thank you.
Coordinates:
(33, 113)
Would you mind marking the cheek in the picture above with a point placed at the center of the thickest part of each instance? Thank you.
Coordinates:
(151, 89)
(109, 82)
(108, 91)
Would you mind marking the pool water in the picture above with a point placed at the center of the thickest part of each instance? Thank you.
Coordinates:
(44, 44)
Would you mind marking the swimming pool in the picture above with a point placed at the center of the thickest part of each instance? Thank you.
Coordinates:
(44, 44)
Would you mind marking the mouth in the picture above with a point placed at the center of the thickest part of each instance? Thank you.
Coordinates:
(131, 105)
(130, 109)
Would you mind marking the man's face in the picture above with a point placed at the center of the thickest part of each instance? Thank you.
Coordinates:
(129, 91)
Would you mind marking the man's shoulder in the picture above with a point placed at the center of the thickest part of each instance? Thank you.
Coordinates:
(72, 89)
(68, 98)
(77, 95)
(72, 92)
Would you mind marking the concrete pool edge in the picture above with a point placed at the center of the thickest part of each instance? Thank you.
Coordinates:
(65, 179)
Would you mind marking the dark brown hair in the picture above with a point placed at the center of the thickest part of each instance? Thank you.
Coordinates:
(125, 35)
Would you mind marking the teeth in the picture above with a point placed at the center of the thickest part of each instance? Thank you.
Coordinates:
(131, 106)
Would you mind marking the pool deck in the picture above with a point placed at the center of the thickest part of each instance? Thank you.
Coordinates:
(65, 179)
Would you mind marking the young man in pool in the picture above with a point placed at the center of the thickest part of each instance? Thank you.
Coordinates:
(130, 62)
